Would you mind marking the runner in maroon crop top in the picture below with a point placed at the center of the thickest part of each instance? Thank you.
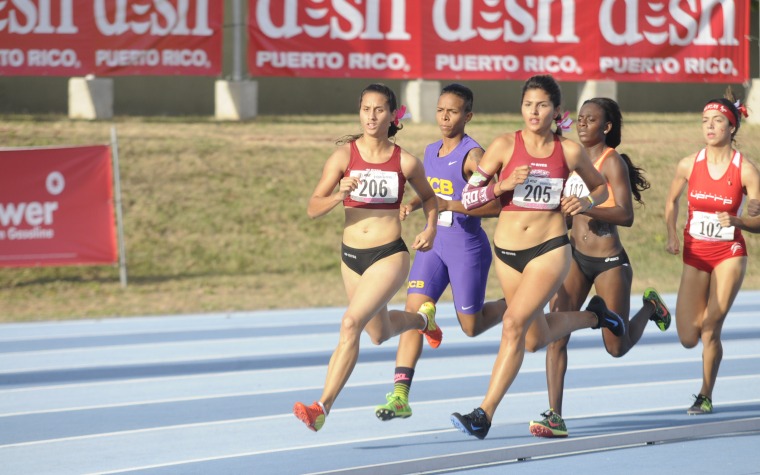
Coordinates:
(714, 251)
(367, 174)
(530, 239)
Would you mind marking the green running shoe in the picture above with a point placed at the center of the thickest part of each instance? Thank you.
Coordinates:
(551, 426)
(661, 313)
(702, 405)
(395, 407)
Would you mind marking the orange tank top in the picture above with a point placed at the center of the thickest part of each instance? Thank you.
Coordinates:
(577, 187)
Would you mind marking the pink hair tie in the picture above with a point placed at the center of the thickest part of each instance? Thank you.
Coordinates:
(400, 114)
(564, 122)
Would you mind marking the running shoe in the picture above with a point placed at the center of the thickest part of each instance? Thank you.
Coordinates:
(475, 423)
(702, 405)
(313, 416)
(551, 426)
(606, 318)
(661, 314)
(433, 332)
(396, 406)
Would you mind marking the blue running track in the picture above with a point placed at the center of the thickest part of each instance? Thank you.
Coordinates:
(213, 394)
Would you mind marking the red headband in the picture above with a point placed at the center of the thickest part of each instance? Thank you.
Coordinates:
(717, 106)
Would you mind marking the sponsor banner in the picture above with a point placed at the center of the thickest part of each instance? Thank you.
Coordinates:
(56, 207)
(372, 39)
(110, 37)
(574, 40)
(676, 41)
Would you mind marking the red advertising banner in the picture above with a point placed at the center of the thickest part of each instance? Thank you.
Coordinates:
(110, 37)
(575, 40)
(375, 38)
(56, 207)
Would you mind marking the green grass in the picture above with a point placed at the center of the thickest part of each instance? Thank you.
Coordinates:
(215, 213)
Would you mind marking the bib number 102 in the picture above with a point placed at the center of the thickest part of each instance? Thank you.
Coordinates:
(706, 226)
(711, 229)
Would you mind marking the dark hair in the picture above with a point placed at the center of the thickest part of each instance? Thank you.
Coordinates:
(392, 105)
(612, 115)
(461, 91)
(613, 138)
(547, 84)
(728, 100)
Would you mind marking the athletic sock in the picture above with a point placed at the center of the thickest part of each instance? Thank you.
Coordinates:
(403, 381)
(425, 318)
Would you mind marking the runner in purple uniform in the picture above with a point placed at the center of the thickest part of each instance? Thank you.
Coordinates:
(461, 255)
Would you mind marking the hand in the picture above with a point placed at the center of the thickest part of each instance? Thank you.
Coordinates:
(726, 220)
(753, 208)
(572, 205)
(517, 177)
(424, 240)
(404, 211)
(347, 185)
(673, 246)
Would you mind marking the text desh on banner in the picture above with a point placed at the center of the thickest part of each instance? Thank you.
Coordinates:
(68, 37)
(699, 40)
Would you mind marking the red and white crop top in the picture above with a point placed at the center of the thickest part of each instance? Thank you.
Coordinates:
(381, 185)
(543, 188)
(708, 196)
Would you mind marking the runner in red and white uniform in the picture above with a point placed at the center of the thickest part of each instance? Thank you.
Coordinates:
(714, 251)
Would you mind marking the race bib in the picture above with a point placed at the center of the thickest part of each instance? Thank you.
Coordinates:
(375, 186)
(705, 226)
(575, 186)
(538, 193)
(445, 218)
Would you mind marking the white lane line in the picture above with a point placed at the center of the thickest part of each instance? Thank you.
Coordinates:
(366, 408)
(250, 454)
(357, 385)
(131, 326)
(402, 436)
(446, 463)
(138, 362)
(111, 333)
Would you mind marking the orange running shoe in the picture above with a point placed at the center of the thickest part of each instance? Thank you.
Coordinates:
(313, 416)
(433, 332)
